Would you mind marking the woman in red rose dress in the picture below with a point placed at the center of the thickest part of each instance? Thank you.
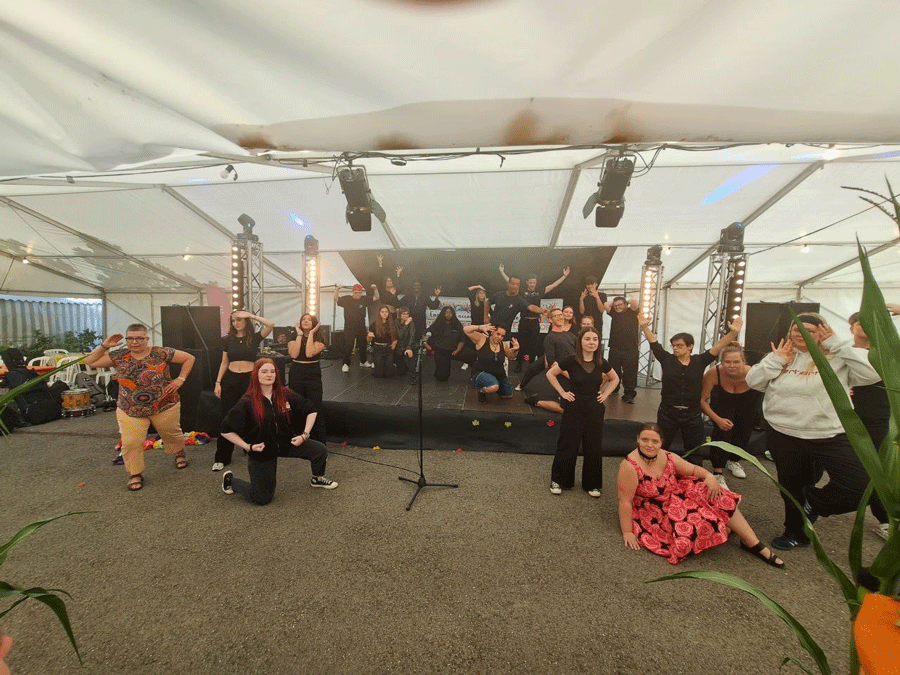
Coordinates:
(675, 508)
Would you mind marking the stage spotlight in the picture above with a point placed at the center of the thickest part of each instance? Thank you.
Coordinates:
(731, 239)
(609, 199)
(360, 203)
(247, 223)
(229, 171)
(26, 261)
(311, 275)
(654, 255)
(237, 278)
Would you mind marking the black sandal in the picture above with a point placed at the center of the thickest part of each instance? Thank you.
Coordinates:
(136, 482)
(757, 550)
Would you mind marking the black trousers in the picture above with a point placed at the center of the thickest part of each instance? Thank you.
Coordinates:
(533, 370)
(625, 363)
(878, 431)
(529, 338)
(234, 385)
(383, 359)
(403, 363)
(355, 335)
(261, 487)
(581, 426)
(797, 461)
(442, 358)
(306, 380)
(688, 422)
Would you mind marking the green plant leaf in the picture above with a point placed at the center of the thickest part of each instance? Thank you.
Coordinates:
(26, 531)
(854, 548)
(847, 586)
(803, 637)
(59, 608)
(790, 659)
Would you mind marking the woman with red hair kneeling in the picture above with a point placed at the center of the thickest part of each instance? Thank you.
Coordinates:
(271, 421)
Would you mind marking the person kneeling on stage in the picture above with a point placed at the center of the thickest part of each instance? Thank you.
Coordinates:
(383, 336)
(489, 373)
(271, 421)
(406, 341)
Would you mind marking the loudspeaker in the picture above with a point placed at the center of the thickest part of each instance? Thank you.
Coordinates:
(769, 322)
(202, 377)
(189, 328)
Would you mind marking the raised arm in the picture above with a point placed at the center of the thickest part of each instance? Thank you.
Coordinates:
(581, 302)
(645, 327)
(556, 283)
(626, 486)
(99, 357)
(503, 272)
(513, 350)
(734, 329)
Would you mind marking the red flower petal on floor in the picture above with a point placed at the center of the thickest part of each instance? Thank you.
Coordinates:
(551, 423)
(82, 484)
(459, 449)
(344, 444)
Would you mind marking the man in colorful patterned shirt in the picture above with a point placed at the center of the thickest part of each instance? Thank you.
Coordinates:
(147, 393)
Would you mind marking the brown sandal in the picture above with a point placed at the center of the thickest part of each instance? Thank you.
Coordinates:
(136, 482)
(180, 460)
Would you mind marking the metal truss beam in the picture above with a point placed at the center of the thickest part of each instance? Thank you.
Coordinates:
(569, 193)
(837, 268)
(52, 271)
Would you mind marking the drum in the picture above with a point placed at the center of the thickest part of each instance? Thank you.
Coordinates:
(76, 399)
(79, 412)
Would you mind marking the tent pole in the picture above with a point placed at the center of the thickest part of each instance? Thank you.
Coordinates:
(837, 268)
(567, 196)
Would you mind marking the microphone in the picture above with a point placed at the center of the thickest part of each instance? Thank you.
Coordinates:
(427, 335)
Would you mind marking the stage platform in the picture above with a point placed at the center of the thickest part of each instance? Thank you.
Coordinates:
(366, 411)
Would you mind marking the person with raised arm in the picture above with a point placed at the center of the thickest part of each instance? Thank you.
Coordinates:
(354, 307)
(489, 372)
(147, 395)
(805, 435)
(583, 411)
(417, 303)
(674, 508)
(592, 303)
(272, 421)
(239, 350)
(530, 322)
(624, 337)
(682, 381)
(305, 375)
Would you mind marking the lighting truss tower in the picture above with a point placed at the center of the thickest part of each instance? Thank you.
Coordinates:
(311, 275)
(724, 286)
(651, 283)
(250, 263)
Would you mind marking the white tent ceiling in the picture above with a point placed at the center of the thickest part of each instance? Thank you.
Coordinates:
(116, 118)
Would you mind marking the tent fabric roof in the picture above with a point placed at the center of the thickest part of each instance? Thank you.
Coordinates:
(116, 119)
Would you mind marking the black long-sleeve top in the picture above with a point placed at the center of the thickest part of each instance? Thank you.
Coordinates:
(417, 304)
(445, 335)
(276, 430)
(406, 336)
(681, 384)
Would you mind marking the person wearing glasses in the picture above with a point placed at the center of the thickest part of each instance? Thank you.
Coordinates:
(147, 393)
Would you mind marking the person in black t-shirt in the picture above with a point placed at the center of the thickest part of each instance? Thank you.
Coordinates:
(417, 302)
(505, 305)
(583, 411)
(682, 382)
(593, 303)
(355, 322)
(239, 350)
(488, 370)
(446, 339)
(530, 322)
(624, 336)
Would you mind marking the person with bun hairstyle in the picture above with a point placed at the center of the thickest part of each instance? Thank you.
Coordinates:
(305, 375)
(272, 421)
(806, 435)
(674, 508)
(733, 407)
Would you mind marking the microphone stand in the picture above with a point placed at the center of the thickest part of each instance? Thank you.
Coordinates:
(421, 482)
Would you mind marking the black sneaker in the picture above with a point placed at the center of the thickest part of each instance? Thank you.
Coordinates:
(227, 480)
(482, 397)
(322, 482)
(532, 399)
(786, 542)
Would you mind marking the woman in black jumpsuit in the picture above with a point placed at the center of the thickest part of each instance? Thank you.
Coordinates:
(583, 411)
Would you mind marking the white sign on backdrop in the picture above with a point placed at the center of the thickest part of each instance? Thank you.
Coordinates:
(464, 312)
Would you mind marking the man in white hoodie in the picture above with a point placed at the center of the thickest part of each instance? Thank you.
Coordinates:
(806, 433)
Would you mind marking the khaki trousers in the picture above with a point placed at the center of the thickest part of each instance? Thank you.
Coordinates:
(133, 431)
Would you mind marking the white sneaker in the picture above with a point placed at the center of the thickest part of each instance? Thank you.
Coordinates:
(768, 456)
(322, 482)
(595, 493)
(465, 366)
(883, 530)
(227, 480)
(720, 479)
(367, 364)
(345, 368)
(555, 489)
(518, 387)
(218, 466)
(736, 469)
